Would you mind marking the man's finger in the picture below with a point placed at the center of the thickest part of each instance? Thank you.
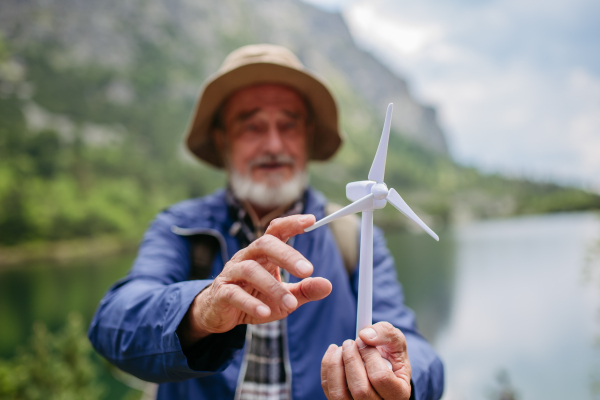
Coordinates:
(285, 228)
(244, 301)
(310, 289)
(336, 377)
(270, 249)
(383, 380)
(262, 280)
(356, 374)
(325, 366)
(392, 344)
(384, 334)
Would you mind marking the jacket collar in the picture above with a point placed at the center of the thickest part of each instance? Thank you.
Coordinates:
(212, 211)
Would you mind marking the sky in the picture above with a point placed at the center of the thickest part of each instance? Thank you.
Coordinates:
(516, 83)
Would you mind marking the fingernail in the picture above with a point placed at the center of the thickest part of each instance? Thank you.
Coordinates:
(262, 311)
(305, 218)
(303, 267)
(332, 345)
(338, 352)
(290, 301)
(347, 344)
(369, 333)
(361, 345)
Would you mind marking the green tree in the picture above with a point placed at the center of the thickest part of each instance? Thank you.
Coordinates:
(52, 367)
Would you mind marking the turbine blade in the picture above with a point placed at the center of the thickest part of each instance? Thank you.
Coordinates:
(397, 201)
(377, 170)
(358, 206)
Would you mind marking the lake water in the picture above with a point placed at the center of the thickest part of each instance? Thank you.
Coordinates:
(515, 306)
(511, 305)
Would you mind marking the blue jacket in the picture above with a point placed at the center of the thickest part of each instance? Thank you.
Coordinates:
(136, 321)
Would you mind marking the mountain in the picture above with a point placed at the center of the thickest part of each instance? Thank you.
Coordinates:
(95, 97)
(330, 47)
(100, 32)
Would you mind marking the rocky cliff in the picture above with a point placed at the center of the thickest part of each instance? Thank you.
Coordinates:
(199, 33)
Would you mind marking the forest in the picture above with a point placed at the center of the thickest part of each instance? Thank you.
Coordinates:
(90, 149)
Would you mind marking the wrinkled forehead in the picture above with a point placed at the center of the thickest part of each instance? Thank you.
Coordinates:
(272, 97)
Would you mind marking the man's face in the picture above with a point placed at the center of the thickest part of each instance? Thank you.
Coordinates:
(265, 133)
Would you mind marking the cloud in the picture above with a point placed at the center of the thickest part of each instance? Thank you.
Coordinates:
(331, 5)
(517, 84)
(400, 38)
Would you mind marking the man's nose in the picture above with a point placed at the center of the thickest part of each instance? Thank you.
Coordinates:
(273, 142)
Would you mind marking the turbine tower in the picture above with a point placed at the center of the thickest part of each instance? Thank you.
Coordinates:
(367, 196)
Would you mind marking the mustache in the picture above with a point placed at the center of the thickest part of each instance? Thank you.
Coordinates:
(272, 158)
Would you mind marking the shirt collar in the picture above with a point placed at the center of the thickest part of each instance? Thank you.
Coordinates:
(247, 226)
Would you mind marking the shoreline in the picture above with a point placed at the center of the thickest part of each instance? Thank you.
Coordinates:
(65, 250)
(107, 245)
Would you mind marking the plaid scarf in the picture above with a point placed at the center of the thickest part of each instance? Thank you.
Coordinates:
(266, 374)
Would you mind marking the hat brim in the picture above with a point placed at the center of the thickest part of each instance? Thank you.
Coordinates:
(327, 135)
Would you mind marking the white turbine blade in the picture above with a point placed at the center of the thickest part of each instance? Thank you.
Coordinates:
(358, 206)
(394, 198)
(377, 170)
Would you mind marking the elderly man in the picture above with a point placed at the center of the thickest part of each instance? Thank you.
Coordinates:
(228, 298)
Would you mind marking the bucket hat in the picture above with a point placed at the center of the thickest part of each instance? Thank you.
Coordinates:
(256, 64)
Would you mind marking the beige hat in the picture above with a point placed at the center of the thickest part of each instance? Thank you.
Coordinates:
(263, 63)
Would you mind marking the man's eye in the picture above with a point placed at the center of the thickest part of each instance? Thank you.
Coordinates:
(289, 125)
(251, 128)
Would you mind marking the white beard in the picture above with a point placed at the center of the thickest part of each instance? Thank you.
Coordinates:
(267, 195)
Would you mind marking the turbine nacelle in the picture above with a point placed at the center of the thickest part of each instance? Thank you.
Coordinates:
(359, 189)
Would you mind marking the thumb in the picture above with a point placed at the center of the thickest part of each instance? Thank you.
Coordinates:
(383, 334)
(391, 344)
(310, 289)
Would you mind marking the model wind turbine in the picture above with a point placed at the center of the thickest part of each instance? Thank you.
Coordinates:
(368, 196)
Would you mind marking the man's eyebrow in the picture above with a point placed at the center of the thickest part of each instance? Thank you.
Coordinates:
(244, 115)
(291, 114)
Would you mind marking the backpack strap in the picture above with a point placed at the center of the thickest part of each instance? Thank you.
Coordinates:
(345, 231)
(203, 249)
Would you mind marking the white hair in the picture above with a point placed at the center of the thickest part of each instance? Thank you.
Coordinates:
(275, 191)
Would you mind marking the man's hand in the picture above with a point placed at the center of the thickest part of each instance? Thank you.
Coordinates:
(249, 290)
(357, 369)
